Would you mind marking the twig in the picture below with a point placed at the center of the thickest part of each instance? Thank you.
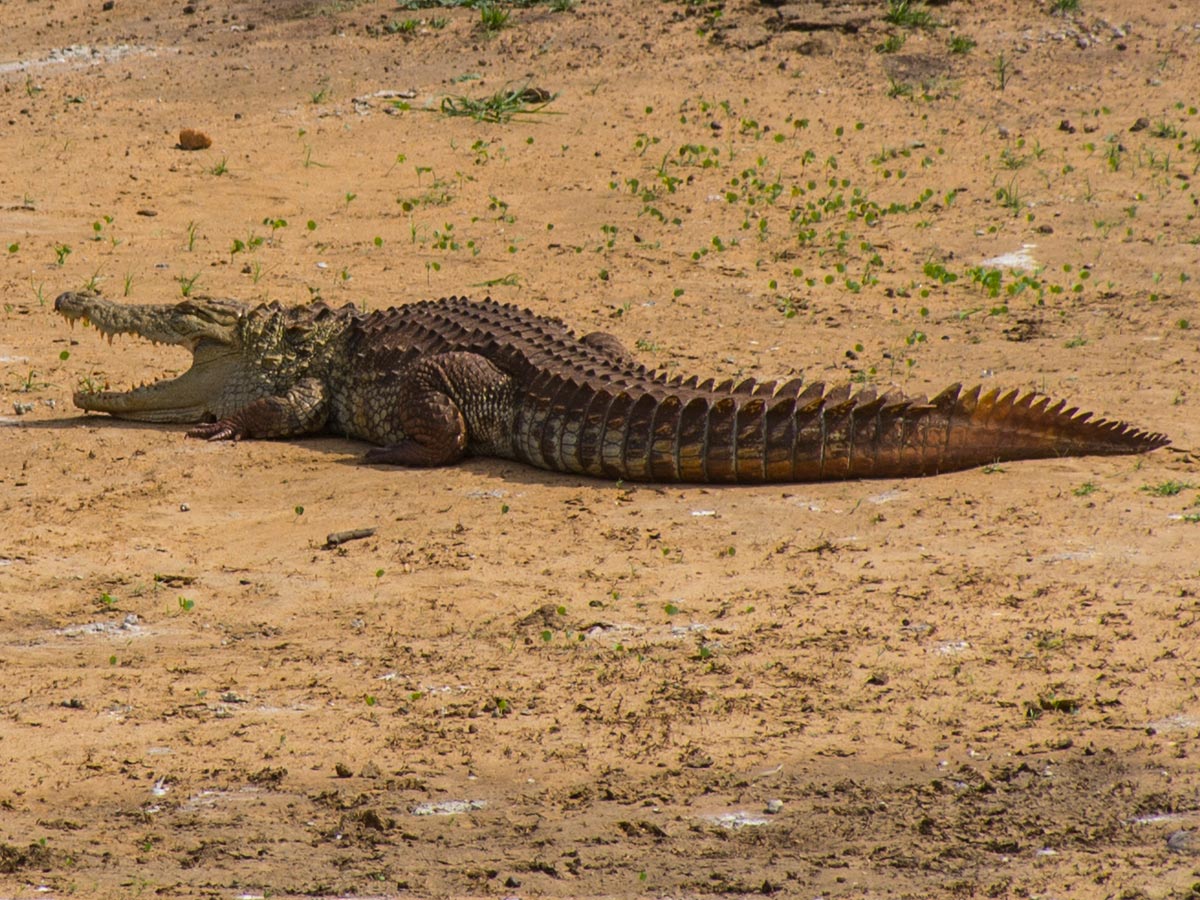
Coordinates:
(341, 537)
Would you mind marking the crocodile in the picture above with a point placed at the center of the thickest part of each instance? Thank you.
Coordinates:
(434, 381)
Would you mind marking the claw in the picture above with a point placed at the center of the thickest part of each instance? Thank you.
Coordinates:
(224, 430)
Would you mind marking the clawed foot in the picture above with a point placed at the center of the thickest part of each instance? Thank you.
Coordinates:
(410, 453)
(384, 456)
(221, 430)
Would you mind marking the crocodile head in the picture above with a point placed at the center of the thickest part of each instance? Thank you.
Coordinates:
(208, 328)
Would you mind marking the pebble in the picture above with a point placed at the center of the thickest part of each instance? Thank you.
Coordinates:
(774, 806)
(191, 139)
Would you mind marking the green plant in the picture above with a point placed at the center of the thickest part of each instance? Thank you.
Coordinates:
(222, 167)
(1113, 155)
(1164, 129)
(1167, 488)
(405, 26)
(61, 252)
(493, 18)
(1062, 7)
(252, 242)
(98, 228)
(503, 106)
(1003, 69)
(510, 280)
(187, 283)
(907, 14)
(93, 282)
(1009, 197)
(961, 43)
(191, 236)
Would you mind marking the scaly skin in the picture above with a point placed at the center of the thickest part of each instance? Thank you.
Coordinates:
(431, 382)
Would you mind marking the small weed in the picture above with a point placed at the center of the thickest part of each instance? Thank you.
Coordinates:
(907, 14)
(1088, 487)
(493, 18)
(510, 280)
(61, 252)
(1167, 488)
(222, 167)
(93, 283)
(503, 106)
(191, 236)
(1164, 129)
(1009, 197)
(960, 43)
(30, 383)
(406, 26)
(186, 605)
(187, 283)
(1003, 69)
(252, 242)
(1062, 7)
(98, 228)
(1113, 156)
(309, 162)
(892, 43)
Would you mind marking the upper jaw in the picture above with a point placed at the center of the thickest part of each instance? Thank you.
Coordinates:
(182, 324)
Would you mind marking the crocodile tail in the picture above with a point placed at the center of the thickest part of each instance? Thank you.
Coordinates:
(754, 433)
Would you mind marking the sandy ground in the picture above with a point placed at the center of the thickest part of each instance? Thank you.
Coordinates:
(981, 684)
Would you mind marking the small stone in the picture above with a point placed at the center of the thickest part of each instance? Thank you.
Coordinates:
(1140, 125)
(1183, 841)
(108, 5)
(774, 806)
(191, 139)
(370, 770)
(1065, 125)
(343, 770)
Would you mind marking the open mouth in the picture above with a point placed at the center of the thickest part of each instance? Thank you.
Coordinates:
(185, 398)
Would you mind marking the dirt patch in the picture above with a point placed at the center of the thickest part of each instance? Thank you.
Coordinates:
(981, 684)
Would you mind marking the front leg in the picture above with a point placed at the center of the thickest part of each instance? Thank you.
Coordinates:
(429, 412)
(302, 410)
